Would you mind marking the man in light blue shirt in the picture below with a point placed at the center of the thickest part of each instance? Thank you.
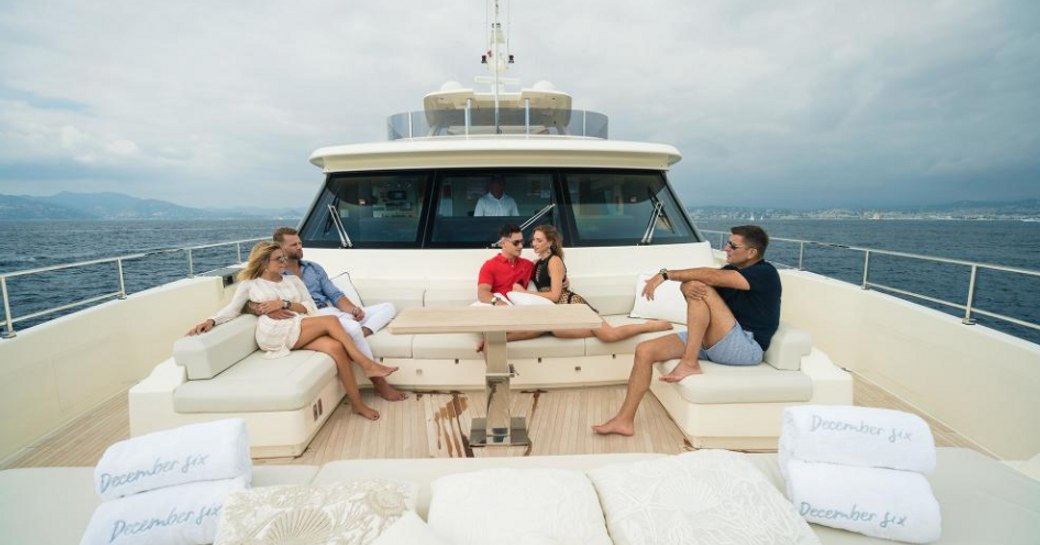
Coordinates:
(359, 322)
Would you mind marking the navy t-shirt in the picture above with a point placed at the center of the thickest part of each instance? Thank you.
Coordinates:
(758, 309)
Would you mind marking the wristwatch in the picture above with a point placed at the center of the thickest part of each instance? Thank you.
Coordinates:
(663, 273)
(286, 304)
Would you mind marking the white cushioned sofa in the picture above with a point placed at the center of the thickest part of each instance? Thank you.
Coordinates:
(982, 500)
(285, 401)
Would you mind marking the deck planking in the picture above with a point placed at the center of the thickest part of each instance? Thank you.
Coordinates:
(436, 425)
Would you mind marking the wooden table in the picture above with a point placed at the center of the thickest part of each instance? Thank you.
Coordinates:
(499, 428)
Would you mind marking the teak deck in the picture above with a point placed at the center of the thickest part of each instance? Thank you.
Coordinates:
(435, 424)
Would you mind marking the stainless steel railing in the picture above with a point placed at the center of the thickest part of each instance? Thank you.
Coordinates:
(968, 307)
(10, 319)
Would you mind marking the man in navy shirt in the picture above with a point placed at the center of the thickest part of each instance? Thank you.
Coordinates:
(732, 314)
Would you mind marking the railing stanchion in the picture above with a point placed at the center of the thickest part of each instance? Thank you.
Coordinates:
(9, 326)
(122, 281)
(238, 251)
(191, 266)
(801, 256)
(866, 268)
(968, 320)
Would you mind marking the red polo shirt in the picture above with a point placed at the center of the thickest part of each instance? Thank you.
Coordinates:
(501, 274)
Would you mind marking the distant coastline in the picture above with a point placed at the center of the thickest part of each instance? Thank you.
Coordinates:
(118, 207)
(1027, 210)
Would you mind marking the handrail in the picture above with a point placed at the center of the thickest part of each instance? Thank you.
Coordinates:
(10, 319)
(968, 306)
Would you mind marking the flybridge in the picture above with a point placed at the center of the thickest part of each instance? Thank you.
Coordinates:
(458, 111)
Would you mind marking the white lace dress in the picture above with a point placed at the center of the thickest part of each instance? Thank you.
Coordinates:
(276, 337)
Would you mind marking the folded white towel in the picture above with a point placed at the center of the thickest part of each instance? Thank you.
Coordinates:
(878, 502)
(187, 514)
(196, 452)
(856, 436)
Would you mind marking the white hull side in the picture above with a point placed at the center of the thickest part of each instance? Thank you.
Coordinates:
(980, 382)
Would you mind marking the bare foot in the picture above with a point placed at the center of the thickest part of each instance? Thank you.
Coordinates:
(366, 411)
(480, 345)
(683, 370)
(659, 325)
(376, 370)
(615, 427)
(386, 391)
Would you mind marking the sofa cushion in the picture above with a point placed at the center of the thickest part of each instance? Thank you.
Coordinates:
(258, 384)
(454, 292)
(409, 530)
(463, 346)
(741, 384)
(468, 508)
(387, 345)
(787, 347)
(596, 347)
(708, 496)
(607, 294)
(400, 292)
(207, 355)
(346, 285)
(668, 303)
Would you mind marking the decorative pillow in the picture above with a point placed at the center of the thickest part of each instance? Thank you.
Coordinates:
(345, 285)
(704, 497)
(207, 451)
(186, 514)
(513, 506)
(527, 299)
(668, 304)
(409, 530)
(340, 513)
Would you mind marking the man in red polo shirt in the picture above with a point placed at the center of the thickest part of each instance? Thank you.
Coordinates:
(506, 271)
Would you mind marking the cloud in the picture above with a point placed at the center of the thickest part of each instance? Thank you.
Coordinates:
(795, 103)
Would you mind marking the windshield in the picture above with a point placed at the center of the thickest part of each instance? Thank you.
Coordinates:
(465, 208)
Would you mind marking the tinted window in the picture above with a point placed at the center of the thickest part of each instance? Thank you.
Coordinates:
(471, 206)
(616, 207)
(381, 210)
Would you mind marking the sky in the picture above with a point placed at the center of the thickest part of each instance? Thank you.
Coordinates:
(790, 103)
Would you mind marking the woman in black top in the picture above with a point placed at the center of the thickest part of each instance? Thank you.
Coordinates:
(549, 275)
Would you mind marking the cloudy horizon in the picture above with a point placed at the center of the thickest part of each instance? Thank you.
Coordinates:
(797, 104)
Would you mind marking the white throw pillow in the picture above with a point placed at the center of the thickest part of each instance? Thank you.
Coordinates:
(512, 506)
(186, 514)
(409, 530)
(339, 513)
(668, 304)
(527, 299)
(704, 497)
(345, 285)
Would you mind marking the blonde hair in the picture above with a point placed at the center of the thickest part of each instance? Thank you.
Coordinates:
(554, 237)
(259, 257)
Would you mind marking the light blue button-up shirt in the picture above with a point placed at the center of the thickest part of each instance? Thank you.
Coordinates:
(323, 291)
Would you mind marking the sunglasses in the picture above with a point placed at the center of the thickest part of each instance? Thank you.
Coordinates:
(733, 246)
(282, 259)
(517, 242)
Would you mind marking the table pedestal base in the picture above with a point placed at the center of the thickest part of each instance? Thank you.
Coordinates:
(517, 434)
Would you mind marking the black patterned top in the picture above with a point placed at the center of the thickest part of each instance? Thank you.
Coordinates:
(543, 282)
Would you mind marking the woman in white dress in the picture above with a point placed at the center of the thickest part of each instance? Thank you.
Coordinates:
(261, 281)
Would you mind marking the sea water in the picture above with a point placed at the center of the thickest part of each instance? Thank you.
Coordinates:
(36, 244)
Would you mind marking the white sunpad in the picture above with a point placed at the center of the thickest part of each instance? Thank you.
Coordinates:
(196, 452)
(856, 436)
(187, 514)
(704, 497)
(517, 507)
(878, 502)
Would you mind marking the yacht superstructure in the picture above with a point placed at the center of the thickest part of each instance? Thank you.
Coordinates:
(401, 218)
